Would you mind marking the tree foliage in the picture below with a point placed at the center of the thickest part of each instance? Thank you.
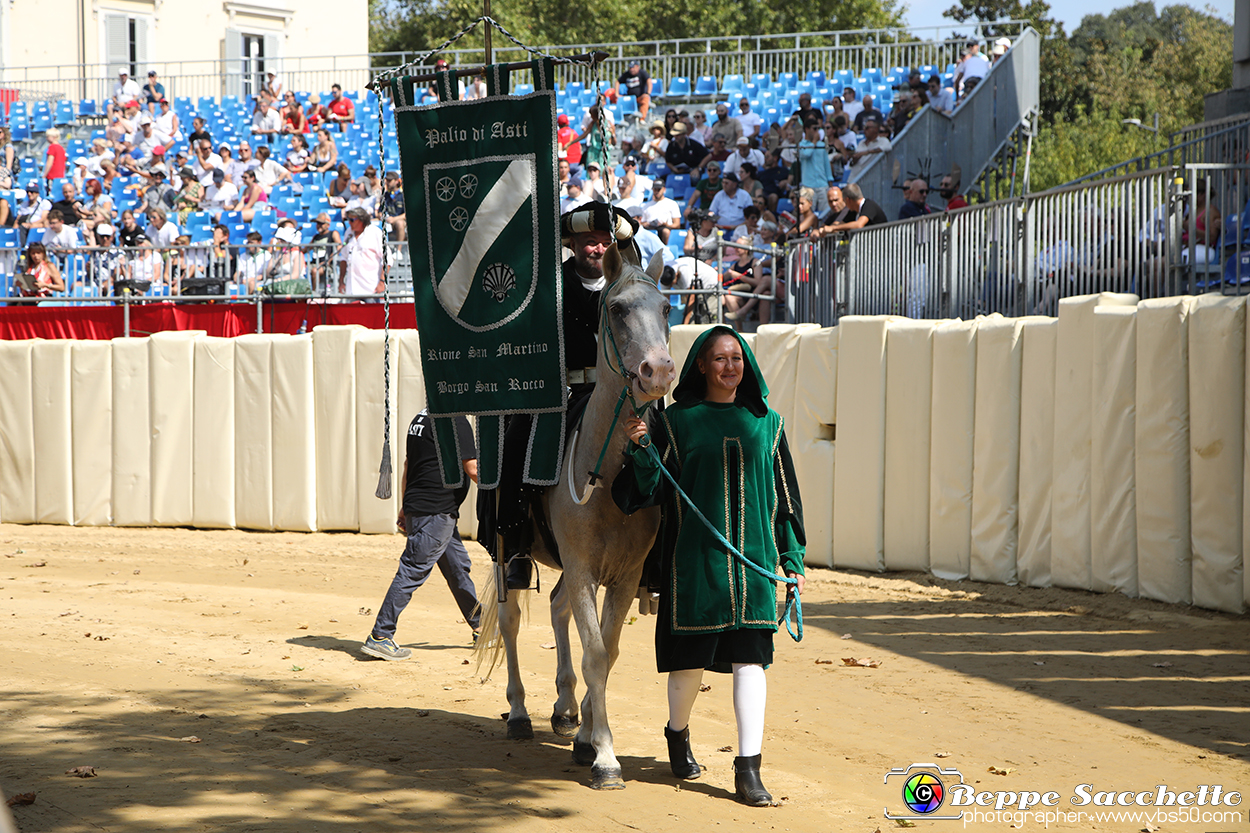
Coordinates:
(1131, 63)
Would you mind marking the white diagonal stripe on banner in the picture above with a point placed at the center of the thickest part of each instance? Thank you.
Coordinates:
(505, 199)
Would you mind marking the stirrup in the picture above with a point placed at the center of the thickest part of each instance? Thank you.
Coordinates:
(531, 571)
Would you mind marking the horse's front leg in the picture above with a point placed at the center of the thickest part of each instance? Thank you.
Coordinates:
(605, 771)
(519, 725)
(564, 720)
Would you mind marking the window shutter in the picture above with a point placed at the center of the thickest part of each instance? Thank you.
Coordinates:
(273, 53)
(232, 63)
(116, 44)
(141, 50)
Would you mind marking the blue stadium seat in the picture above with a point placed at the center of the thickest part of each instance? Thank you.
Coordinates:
(771, 116)
(679, 87)
(206, 104)
(678, 185)
(266, 230)
(40, 122)
(817, 77)
(238, 232)
(64, 113)
(762, 80)
(657, 87)
(768, 98)
(231, 218)
(843, 77)
(784, 204)
(574, 89)
(903, 72)
(787, 80)
(677, 237)
(628, 104)
(18, 108)
(752, 91)
(731, 83)
(197, 219)
(200, 234)
(523, 89)
(927, 70)
(705, 85)
(871, 72)
(805, 87)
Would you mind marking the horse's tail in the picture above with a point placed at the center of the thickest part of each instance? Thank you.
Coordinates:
(489, 646)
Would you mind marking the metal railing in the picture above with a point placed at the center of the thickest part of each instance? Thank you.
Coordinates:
(1224, 140)
(828, 51)
(965, 143)
(1155, 234)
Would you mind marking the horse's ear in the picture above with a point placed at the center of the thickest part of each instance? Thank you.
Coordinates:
(656, 267)
(612, 263)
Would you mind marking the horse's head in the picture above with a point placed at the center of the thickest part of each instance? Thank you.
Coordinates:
(634, 325)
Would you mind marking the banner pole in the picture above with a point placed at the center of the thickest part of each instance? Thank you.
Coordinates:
(486, 13)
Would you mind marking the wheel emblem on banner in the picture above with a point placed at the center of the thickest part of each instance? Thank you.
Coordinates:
(459, 219)
(468, 185)
(445, 188)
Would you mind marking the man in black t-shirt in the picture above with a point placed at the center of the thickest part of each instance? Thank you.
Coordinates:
(864, 211)
(428, 518)
(638, 84)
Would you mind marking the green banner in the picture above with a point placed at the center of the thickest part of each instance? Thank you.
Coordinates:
(484, 240)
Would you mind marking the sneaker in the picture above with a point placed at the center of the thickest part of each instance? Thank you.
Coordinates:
(384, 649)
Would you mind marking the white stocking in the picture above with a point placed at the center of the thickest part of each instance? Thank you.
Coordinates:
(683, 688)
(750, 699)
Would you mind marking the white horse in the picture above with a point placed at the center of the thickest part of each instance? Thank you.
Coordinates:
(599, 545)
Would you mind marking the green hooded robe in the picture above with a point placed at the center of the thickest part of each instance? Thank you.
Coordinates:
(733, 462)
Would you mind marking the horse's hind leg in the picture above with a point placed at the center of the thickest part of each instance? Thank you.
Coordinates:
(564, 714)
(519, 726)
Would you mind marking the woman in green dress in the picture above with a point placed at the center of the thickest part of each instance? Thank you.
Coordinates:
(728, 451)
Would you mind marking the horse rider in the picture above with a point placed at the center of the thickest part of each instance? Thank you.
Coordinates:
(587, 231)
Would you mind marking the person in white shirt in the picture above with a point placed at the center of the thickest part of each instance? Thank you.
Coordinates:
(221, 195)
(146, 265)
(266, 121)
(167, 121)
(205, 163)
(126, 89)
(475, 89)
(751, 122)
(729, 203)
(235, 167)
(362, 198)
(972, 69)
(161, 232)
(274, 85)
(59, 237)
(268, 172)
(252, 262)
(661, 214)
(360, 268)
(873, 142)
(850, 106)
(743, 153)
(149, 139)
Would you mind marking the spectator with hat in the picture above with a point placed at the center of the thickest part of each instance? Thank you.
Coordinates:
(683, 154)
(31, 210)
(126, 89)
(638, 84)
(743, 153)
(315, 113)
(221, 195)
(660, 214)
(153, 91)
(109, 262)
(730, 203)
(574, 196)
(1000, 48)
(653, 151)
(972, 68)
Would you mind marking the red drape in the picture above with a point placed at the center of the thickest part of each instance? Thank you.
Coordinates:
(227, 320)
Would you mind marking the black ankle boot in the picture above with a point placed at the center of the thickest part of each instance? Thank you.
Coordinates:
(680, 758)
(747, 782)
(520, 569)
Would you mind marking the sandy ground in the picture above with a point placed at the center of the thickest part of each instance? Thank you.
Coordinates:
(119, 645)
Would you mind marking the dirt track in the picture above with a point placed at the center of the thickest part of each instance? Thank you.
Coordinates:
(127, 642)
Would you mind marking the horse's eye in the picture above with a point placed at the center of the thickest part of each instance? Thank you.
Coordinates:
(668, 308)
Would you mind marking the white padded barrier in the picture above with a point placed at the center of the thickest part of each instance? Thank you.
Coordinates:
(50, 399)
(171, 370)
(294, 439)
(950, 463)
(859, 476)
(91, 404)
(213, 446)
(1037, 447)
(17, 434)
(908, 402)
(776, 350)
(1217, 402)
(132, 435)
(334, 390)
(995, 530)
(1074, 374)
(812, 439)
(1112, 492)
(1164, 554)
(253, 432)
(375, 515)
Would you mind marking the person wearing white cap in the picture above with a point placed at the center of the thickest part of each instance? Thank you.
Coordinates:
(126, 89)
(1000, 48)
(286, 263)
(743, 152)
(109, 262)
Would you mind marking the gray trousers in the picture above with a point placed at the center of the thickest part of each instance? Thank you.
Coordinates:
(432, 539)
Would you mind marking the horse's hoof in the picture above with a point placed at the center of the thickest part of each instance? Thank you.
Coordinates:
(583, 753)
(565, 727)
(520, 728)
(603, 778)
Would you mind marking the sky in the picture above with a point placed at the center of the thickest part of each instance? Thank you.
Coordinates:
(1070, 12)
